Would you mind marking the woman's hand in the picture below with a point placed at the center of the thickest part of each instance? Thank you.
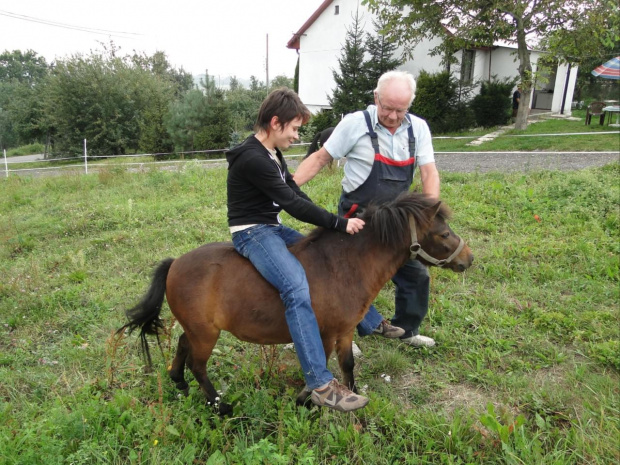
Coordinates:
(355, 225)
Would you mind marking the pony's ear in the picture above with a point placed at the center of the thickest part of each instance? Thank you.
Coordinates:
(435, 209)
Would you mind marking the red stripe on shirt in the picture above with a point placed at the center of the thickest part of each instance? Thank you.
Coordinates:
(388, 161)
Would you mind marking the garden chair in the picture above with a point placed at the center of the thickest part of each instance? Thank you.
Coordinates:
(595, 109)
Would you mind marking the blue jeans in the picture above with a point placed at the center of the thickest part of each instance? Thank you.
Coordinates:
(266, 247)
(412, 283)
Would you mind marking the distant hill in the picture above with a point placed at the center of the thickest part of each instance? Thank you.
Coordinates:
(222, 82)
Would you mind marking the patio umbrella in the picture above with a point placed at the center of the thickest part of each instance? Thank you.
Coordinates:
(609, 70)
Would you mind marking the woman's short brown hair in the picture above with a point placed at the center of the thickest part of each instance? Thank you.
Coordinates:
(283, 103)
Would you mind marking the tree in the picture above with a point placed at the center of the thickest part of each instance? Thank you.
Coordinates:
(208, 83)
(587, 42)
(217, 129)
(280, 81)
(381, 59)
(159, 65)
(592, 34)
(257, 93)
(234, 84)
(466, 23)
(23, 67)
(21, 76)
(154, 137)
(351, 80)
(107, 99)
(186, 118)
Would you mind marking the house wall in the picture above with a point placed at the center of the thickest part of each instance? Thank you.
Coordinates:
(561, 87)
(504, 64)
(422, 59)
(320, 49)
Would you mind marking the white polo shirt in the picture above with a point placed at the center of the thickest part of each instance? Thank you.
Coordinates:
(350, 140)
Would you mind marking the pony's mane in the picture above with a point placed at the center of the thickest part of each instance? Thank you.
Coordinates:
(389, 221)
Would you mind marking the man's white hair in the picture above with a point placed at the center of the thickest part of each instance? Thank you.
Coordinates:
(390, 76)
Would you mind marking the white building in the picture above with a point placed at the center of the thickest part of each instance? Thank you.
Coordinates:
(320, 39)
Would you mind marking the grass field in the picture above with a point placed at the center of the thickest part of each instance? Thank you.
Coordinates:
(525, 371)
(568, 135)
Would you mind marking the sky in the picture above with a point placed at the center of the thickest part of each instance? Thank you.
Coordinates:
(227, 37)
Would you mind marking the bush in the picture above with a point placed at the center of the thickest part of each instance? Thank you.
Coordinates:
(30, 149)
(322, 120)
(440, 101)
(493, 105)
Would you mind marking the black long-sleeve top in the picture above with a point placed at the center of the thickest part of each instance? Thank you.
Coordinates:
(258, 189)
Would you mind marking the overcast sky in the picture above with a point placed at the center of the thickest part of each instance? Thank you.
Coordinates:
(227, 37)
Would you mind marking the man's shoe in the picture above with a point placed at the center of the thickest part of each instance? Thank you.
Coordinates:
(418, 341)
(385, 329)
(338, 397)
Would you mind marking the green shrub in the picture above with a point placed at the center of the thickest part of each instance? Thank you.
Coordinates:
(322, 120)
(440, 100)
(30, 149)
(492, 106)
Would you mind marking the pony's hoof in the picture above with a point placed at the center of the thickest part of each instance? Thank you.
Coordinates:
(183, 387)
(225, 410)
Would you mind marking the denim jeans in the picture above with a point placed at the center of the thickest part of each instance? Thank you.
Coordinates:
(412, 288)
(266, 247)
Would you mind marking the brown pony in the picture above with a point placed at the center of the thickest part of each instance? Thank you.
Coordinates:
(213, 288)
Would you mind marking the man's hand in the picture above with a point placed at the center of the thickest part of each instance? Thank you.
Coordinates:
(355, 225)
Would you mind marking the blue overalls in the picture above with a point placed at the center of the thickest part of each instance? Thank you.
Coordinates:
(387, 179)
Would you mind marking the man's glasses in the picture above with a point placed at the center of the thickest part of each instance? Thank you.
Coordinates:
(391, 110)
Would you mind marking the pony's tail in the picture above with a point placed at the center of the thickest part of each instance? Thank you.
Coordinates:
(145, 315)
(314, 145)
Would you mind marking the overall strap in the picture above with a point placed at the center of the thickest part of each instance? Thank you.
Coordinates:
(374, 139)
(411, 138)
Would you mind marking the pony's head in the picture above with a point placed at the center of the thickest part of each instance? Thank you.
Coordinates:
(421, 223)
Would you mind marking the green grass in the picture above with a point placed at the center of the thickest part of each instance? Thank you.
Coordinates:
(526, 370)
(572, 136)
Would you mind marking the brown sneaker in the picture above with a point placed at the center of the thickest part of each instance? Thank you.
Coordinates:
(385, 329)
(338, 397)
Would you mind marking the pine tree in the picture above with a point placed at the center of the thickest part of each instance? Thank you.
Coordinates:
(351, 81)
(381, 57)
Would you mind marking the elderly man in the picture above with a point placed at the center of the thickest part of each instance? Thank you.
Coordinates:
(382, 146)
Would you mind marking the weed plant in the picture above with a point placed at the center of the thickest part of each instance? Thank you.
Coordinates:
(525, 371)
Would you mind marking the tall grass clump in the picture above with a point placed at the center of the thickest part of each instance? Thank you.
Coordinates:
(525, 371)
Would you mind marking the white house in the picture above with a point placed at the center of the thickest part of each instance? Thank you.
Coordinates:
(320, 39)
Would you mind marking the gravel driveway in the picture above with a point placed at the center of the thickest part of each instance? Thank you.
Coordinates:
(522, 161)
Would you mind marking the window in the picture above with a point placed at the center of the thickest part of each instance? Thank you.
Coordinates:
(337, 9)
(467, 66)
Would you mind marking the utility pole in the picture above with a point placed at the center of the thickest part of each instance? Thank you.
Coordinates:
(267, 63)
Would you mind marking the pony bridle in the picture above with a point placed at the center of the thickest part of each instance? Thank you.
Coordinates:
(416, 249)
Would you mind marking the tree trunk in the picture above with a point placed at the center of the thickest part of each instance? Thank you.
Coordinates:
(524, 106)
(525, 73)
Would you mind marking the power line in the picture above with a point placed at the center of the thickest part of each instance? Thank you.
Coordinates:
(69, 26)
